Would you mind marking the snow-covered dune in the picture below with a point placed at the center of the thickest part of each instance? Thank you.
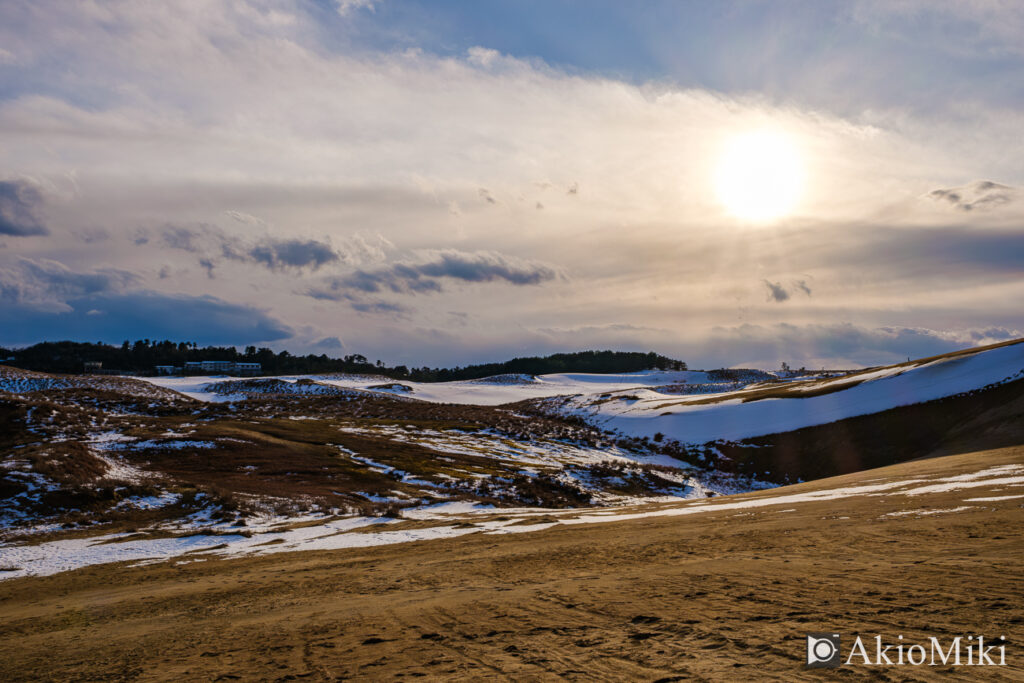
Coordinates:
(756, 412)
(487, 391)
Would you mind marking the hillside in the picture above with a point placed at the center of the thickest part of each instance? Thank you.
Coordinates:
(719, 590)
(789, 430)
(100, 468)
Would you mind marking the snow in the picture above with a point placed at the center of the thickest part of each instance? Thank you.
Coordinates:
(150, 502)
(958, 485)
(732, 419)
(193, 387)
(357, 532)
(454, 508)
(920, 513)
(632, 404)
(486, 391)
(991, 499)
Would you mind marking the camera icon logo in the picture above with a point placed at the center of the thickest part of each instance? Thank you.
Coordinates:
(823, 651)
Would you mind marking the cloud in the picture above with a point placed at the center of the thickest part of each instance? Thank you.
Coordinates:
(247, 219)
(426, 274)
(381, 307)
(92, 235)
(159, 112)
(592, 330)
(346, 7)
(114, 317)
(484, 266)
(329, 344)
(183, 238)
(399, 278)
(208, 265)
(19, 206)
(982, 194)
(837, 346)
(776, 292)
(274, 253)
(277, 254)
(48, 284)
(929, 254)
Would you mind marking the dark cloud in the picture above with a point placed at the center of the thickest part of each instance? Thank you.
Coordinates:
(293, 254)
(484, 266)
(115, 317)
(276, 254)
(982, 194)
(399, 278)
(208, 266)
(779, 292)
(19, 206)
(381, 307)
(776, 292)
(184, 238)
(426, 275)
(994, 334)
(329, 344)
(46, 283)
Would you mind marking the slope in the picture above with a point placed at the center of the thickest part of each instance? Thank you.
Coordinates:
(921, 549)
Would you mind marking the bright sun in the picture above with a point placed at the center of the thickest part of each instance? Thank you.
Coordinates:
(760, 176)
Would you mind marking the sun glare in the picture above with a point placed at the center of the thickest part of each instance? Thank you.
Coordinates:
(760, 176)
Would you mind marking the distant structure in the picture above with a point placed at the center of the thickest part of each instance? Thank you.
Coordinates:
(248, 368)
(217, 365)
(225, 367)
(92, 366)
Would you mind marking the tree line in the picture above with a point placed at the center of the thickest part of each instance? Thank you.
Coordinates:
(141, 357)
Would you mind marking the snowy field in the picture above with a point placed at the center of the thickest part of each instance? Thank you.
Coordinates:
(701, 419)
(683, 405)
(488, 391)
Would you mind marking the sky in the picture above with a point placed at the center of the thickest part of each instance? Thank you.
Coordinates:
(444, 183)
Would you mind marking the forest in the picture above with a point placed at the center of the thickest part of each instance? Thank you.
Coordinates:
(142, 356)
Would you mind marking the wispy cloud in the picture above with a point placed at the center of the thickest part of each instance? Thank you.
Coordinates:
(213, 243)
(983, 194)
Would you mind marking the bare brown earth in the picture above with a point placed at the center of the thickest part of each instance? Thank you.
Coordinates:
(723, 595)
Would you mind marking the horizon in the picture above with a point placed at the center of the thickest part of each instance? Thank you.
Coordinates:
(243, 351)
(449, 184)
